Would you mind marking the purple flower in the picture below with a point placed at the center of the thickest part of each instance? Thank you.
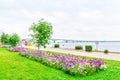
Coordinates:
(80, 68)
(68, 62)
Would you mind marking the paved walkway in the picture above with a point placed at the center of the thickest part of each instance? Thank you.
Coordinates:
(109, 56)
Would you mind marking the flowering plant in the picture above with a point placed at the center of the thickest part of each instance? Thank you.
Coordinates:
(18, 49)
(71, 64)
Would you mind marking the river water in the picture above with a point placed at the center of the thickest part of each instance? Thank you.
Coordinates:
(111, 46)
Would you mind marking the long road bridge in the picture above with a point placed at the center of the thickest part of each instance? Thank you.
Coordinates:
(81, 41)
(66, 40)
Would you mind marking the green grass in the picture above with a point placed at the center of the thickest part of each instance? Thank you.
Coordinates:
(15, 67)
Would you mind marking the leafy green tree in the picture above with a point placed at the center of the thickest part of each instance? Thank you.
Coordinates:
(14, 40)
(41, 33)
(4, 38)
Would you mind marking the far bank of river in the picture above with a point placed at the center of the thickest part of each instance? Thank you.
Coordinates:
(101, 46)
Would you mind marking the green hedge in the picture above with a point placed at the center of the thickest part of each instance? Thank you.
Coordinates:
(56, 46)
(88, 48)
(79, 47)
(106, 51)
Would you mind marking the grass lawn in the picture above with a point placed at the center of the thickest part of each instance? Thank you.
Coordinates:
(16, 67)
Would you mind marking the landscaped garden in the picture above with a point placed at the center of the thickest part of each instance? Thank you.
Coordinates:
(71, 64)
(19, 63)
(16, 67)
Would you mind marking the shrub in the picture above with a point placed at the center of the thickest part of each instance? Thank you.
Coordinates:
(106, 51)
(78, 47)
(56, 46)
(69, 64)
(88, 48)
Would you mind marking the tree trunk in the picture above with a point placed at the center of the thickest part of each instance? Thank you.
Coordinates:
(38, 47)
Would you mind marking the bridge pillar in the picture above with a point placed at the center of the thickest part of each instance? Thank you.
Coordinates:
(66, 41)
(54, 41)
(96, 43)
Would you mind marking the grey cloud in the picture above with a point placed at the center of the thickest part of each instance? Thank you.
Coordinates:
(80, 19)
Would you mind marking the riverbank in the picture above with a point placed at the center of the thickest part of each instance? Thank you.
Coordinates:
(92, 51)
(112, 46)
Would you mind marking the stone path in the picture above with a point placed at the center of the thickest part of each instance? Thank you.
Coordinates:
(109, 56)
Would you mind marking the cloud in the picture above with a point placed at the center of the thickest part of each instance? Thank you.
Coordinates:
(73, 19)
(7, 1)
(91, 14)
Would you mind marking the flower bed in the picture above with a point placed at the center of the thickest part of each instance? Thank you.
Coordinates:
(18, 49)
(70, 64)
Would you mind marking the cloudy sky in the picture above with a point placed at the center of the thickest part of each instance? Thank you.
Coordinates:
(71, 19)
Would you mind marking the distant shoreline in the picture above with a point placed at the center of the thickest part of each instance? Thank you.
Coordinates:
(72, 49)
(84, 50)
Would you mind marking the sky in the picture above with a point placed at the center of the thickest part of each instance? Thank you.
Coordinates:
(71, 19)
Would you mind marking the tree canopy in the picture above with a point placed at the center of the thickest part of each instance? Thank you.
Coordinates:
(14, 40)
(4, 38)
(41, 32)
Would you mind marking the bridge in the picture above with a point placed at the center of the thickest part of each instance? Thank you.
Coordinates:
(80, 41)
(67, 40)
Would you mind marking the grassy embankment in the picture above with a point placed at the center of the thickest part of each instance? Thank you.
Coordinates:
(15, 67)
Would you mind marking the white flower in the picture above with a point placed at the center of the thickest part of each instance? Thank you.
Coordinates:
(103, 66)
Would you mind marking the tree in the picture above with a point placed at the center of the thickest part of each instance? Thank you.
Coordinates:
(14, 40)
(41, 33)
(4, 38)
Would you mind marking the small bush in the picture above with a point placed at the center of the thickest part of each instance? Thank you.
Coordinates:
(106, 51)
(88, 48)
(78, 47)
(56, 46)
